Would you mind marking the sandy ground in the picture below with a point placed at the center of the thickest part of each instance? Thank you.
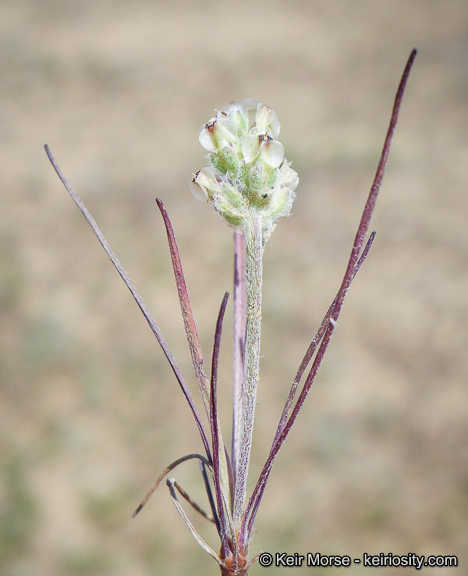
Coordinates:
(89, 412)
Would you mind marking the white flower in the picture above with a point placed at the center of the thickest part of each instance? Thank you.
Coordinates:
(263, 146)
(266, 121)
(204, 184)
(215, 135)
(234, 119)
(288, 177)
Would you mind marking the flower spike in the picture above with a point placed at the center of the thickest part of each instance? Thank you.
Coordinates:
(248, 175)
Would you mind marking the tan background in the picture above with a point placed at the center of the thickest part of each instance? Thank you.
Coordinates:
(89, 412)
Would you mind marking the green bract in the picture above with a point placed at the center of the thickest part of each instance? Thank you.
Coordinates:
(248, 172)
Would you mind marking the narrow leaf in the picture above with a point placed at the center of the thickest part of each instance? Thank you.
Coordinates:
(313, 346)
(209, 494)
(192, 502)
(164, 473)
(170, 484)
(138, 299)
(355, 261)
(189, 321)
(215, 427)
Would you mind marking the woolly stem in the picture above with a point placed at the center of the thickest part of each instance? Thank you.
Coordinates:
(254, 275)
(240, 311)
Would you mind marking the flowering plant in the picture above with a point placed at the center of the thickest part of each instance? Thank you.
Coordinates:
(251, 185)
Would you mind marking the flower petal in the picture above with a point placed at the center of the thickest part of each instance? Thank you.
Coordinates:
(288, 177)
(272, 152)
(203, 184)
(206, 137)
(250, 148)
(266, 121)
(233, 118)
(206, 178)
(250, 105)
(198, 192)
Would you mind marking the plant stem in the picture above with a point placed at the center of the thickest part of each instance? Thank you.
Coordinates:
(254, 276)
(240, 314)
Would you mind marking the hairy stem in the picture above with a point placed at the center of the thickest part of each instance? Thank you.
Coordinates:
(240, 312)
(254, 275)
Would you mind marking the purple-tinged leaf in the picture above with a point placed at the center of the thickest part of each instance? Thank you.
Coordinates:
(330, 322)
(138, 299)
(189, 321)
(209, 494)
(192, 502)
(165, 472)
(313, 346)
(215, 429)
(327, 324)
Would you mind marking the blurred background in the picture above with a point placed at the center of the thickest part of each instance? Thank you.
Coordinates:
(90, 412)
